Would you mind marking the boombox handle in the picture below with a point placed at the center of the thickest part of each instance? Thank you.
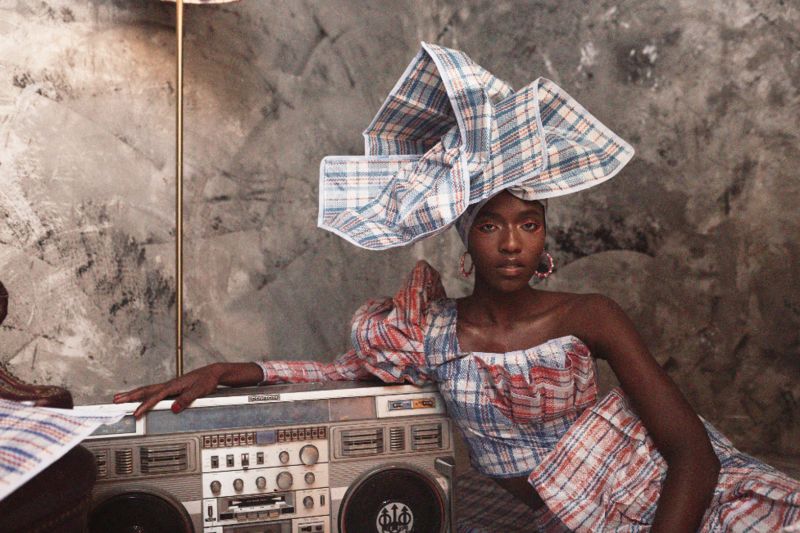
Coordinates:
(446, 466)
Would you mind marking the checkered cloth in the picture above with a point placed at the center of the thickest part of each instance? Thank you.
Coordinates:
(535, 412)
(449, 135)
(482, 506)
(605, 474)
(33, 438)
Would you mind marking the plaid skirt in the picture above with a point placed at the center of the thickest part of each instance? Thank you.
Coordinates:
(605, 474)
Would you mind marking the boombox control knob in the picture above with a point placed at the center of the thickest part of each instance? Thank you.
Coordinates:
(261, 483)
(310, 478)
(309, 454)
(308, 502)
(238, 485)
(284, 480)
(283, 457)
(216, 486)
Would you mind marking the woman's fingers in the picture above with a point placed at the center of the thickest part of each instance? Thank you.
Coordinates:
(188, 396)
(156, 394)
(150, 402)
(136, 394)
(188, 388)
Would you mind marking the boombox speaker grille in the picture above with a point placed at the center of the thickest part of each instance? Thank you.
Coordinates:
(393, 499)
(139, 511)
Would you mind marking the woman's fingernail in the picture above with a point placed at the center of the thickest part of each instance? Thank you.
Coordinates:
(176, 408)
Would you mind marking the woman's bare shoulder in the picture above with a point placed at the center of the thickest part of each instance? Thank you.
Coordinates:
(585, 315)
(576, 301)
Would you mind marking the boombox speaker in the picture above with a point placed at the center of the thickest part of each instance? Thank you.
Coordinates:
(329, 457)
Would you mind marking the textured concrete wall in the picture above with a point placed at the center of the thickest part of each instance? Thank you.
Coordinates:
(697, 238)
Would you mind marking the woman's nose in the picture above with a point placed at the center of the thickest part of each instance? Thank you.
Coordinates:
(510, 242)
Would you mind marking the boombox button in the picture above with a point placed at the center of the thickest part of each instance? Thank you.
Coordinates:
(260, 458)
(229, 461)
(214, 461)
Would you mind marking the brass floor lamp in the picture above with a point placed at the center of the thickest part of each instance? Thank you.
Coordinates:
(179, 177)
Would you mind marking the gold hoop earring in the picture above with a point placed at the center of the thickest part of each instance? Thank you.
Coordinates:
(550, 263)
(464, 272)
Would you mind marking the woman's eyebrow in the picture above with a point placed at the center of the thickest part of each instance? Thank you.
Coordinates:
(531, 212)
(487, 214)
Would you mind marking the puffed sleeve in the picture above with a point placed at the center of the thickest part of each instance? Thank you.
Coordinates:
(387, 339)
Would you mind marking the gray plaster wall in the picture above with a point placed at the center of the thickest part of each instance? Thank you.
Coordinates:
(697, 238)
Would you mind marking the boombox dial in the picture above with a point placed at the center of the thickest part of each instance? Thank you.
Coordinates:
(283, 457)
(238, 485)
(261, 483)
(309, 455)
(216, 486)
(284, 480)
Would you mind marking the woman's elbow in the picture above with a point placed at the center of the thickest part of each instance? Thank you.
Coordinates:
(701, 462)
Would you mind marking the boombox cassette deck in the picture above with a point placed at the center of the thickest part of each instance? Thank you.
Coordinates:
(334, 457)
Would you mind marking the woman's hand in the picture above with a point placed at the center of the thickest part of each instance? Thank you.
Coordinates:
(188, 388)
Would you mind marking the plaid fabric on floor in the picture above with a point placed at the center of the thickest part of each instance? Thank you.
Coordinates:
(33, 438)
(482, 506)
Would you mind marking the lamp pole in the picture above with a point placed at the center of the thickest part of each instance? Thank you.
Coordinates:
(179, 192)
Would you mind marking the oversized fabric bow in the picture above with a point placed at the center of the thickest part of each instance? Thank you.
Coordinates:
(451, 135)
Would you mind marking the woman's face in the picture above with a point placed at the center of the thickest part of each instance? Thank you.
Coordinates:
(506, 241)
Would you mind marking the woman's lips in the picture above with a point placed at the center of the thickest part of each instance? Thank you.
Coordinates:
(511, 269)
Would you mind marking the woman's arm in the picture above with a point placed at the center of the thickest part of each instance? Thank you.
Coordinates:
(205, 380)
(678, 433)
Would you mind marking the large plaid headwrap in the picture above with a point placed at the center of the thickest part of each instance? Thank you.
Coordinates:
(449, 135)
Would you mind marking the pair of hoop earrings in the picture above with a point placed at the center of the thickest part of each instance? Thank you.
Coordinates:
(541, 275)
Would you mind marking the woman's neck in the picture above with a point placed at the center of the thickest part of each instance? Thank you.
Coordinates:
(497, 307)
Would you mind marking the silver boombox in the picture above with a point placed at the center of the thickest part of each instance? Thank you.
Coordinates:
(329, 457)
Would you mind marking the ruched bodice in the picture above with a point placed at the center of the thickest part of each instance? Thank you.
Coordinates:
(512, 407)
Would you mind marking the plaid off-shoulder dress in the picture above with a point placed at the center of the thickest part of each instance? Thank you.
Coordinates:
(535, 412)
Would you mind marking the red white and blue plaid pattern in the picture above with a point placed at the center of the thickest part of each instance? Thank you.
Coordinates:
(33, 438)
(606, 474)
(482, 506)
(535, 412)
(449, 135)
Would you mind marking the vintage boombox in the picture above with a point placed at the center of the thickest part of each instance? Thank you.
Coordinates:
(329, 457)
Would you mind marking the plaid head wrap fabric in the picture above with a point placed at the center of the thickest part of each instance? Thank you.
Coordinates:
(451, 135)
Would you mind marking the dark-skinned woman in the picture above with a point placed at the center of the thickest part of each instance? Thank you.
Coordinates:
(453, 145)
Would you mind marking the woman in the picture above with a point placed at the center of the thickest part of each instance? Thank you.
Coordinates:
(453, 145)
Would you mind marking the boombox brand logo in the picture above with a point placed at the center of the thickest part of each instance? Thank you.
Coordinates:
(263, 398)
(394, 517)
